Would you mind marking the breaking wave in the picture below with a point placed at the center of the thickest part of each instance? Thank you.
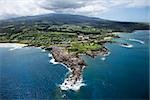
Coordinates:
(127, 46)
(70, 85)
(43, 50)
(49, 55)
(15, 48)
(108, 53)
(53, 61)
(103, 58)
(136, 40)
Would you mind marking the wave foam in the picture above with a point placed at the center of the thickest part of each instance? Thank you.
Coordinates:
(103, 58)
(53, 61)
(127, 46)
(6, 45)
(43, 50)
(69, 84)
(108, 53)
(13, 46)
(49, 55)
(136, 40)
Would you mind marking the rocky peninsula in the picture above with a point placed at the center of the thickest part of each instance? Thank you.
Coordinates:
(74, 64)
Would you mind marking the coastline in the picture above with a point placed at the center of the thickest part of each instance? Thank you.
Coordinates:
(96, 68)
(6, 45)
(75, 65)
(71, 82)
(67, 85)
(12, 46)
(74, 79)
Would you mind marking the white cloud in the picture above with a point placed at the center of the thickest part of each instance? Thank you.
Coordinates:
(130, 3)
(92, 8)
(20, 8)
(10, 8)
(140, 3)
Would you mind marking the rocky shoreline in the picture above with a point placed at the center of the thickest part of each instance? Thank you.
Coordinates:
(75, 65)
(103, 51)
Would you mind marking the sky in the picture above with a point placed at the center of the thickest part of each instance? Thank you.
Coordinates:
(120, 10)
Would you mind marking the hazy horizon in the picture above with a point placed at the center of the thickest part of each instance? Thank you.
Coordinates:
(118, 10)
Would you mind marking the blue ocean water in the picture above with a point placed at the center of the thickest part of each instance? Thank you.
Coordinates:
(27, 74)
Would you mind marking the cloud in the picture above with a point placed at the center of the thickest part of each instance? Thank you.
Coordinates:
(130, 3)
(13, 8)
(60, 4)
(82, 7)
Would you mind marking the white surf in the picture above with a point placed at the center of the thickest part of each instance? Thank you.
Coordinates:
(127, 46)
(136, 40)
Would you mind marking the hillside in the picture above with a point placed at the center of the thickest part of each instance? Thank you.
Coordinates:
(66, 23)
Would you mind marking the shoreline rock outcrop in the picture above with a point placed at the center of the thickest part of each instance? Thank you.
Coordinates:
(75, 65)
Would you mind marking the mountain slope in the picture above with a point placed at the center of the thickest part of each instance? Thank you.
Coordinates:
(61, 22)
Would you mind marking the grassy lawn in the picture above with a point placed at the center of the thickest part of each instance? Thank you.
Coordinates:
(83, 47)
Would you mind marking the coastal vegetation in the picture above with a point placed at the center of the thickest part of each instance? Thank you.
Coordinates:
(73, 41)
(78, 34)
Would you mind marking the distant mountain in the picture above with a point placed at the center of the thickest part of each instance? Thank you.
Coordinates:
(48, 20)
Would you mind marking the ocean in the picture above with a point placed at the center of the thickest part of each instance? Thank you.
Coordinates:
(28, 73)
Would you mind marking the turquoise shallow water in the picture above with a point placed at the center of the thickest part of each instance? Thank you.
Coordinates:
(26, 73)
